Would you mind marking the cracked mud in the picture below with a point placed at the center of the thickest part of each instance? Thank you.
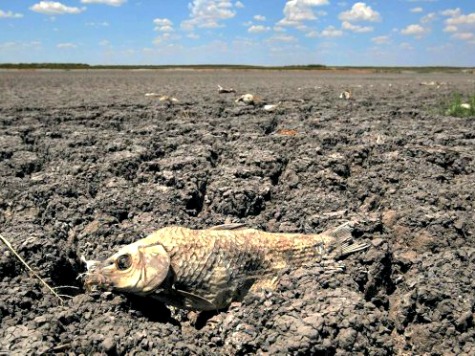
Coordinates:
(88, 163)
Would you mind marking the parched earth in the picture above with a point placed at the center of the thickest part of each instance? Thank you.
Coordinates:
(88, 163)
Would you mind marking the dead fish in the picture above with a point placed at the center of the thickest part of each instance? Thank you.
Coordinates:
(272, 107)
(248, 99)
(345, 95)
(222, 90)
(433, 84)
(166, 99)
(208, 269)
(169, 100)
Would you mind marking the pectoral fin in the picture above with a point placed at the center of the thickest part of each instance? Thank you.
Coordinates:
(195, 302)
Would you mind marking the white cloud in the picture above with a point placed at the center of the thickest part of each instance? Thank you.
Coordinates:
(193, 36)
(208, 13)
(458, 23)
(162, 22)
(461, 19)
(406, 46)
(97, 24)
(450, 29)
(55, 8)
(10, 15)
(451, 12)
(312, 34)
(381, 39)
(355, 28)
(360, 12)
(258, 29)
(331, 31)
(67, 45)
(164, 29)
(441, 48)
(296, 11)
(163, 25)
(259, 18)
(283, 38)
(465, 36)
(417, 9)
(429, 17)
(105, 2)
(164, 37)
(239, 5)
(14, 46)
(415, 30)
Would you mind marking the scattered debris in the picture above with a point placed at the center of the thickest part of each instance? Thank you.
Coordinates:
(272, 107)
(346, 95)
(248, 99)
(222, 90)
(433, 84)
(169, 100)
(465, 106)
(166, 99)
(286, 132)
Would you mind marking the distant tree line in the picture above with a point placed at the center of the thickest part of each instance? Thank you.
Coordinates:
(68, 66)
(72, 66)
(44, 66)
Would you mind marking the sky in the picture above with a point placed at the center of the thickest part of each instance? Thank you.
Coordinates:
(257, 32)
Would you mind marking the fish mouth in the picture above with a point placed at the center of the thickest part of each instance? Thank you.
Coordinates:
(94, 279)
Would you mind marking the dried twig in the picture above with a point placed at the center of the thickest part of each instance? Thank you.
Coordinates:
(70, 287)
(10, 247)
(222, 90)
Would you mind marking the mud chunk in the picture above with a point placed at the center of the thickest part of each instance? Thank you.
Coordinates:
(109, 346)
(346, 338)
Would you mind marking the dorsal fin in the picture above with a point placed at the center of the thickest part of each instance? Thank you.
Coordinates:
(233, 226)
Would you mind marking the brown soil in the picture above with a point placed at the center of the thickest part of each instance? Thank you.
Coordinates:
(88, 163)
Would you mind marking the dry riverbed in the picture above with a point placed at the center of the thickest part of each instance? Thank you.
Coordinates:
(88, 163)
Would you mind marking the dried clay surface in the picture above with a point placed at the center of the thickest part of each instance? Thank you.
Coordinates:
(89, 163)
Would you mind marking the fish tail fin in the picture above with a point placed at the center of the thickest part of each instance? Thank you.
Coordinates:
(340, 240)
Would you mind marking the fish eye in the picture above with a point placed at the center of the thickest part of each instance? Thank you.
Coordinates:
(123, 262)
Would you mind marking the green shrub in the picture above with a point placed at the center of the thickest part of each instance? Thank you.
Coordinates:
(460, 108)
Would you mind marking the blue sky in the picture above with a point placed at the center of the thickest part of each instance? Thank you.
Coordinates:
(262, 32)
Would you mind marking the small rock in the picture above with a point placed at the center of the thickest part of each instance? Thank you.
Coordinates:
(109, 346)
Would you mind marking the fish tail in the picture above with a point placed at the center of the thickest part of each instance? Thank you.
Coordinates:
(340, 240)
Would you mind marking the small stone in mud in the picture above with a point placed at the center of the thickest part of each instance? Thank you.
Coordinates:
(109, 346)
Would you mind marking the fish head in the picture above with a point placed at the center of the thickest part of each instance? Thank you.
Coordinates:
(138, 268)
